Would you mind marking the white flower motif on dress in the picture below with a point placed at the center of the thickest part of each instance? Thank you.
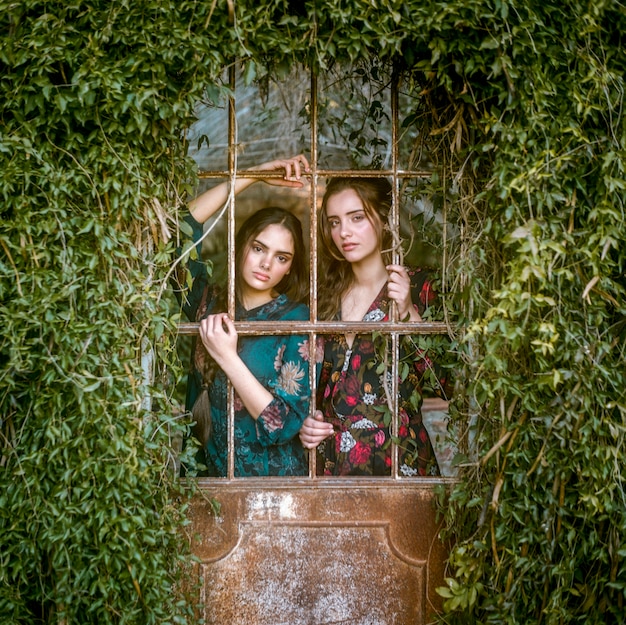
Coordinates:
(279, 357)
(369, 399)
(303, 350)
(374, 315)
(364, 424)
(408, 471)
(347, 442)
(386, 382)
(289, 379)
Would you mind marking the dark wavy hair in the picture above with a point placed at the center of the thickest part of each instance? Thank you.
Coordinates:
(295, 284)
(335, 271)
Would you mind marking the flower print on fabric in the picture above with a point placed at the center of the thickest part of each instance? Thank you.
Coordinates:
(352, 396)
(268, 445)
(360, 453)
(278, 361)
(303, 350)
(272, 418)
(290, 378)
(375, 315)
(346, 442)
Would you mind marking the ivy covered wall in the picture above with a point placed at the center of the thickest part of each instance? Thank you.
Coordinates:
(94, 98)
(525, 102)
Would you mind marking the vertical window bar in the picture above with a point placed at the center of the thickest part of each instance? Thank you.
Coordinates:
(395, 225)
(232, 170)
(313, 261)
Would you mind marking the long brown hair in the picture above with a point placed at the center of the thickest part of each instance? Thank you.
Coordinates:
(334, 270)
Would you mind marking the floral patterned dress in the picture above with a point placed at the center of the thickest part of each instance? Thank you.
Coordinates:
(352, 396)
(268, 445)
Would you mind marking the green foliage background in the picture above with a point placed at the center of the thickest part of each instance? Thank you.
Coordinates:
(524, 103)
(94, 98)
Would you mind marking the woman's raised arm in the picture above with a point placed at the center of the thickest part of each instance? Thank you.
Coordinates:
(208, 203)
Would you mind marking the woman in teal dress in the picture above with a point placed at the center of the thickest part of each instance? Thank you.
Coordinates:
(270, 374)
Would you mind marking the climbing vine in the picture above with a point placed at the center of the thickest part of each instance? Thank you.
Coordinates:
(95, 94)
(520, 109)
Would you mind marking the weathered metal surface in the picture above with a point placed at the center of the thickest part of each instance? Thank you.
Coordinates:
(258, 328)
(320, 552)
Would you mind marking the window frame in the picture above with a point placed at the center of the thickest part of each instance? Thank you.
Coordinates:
(314, 328)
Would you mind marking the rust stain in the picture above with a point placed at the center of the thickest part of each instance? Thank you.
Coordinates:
(308, 555)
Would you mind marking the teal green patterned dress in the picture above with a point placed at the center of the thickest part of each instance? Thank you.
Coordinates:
(268, 445)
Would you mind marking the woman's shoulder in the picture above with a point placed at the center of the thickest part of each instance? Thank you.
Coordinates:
(414, 270)
(191, 227)
(296, 311)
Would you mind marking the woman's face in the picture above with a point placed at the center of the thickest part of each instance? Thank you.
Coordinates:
(350, 228)
(267, 260)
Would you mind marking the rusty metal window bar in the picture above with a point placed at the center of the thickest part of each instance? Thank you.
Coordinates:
(314, 327)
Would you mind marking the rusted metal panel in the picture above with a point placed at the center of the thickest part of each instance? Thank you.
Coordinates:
(322, 553)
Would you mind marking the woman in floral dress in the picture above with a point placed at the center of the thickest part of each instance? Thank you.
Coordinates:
(269, 373)
(351, 427)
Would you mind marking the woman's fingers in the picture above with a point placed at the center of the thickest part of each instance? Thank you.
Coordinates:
(295, 168)
(314, 430)
(217, 332)
(299, 166)
(399, 283)
(399, 290)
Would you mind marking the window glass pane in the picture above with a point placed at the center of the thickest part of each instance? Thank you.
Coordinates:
(354, 110)
(208, 137)
(271, 121)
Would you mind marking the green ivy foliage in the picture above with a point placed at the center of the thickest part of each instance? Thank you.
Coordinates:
(540, 517)
(522, 107)
(95, 98)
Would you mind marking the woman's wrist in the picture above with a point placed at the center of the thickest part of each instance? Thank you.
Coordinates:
(412, 314)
